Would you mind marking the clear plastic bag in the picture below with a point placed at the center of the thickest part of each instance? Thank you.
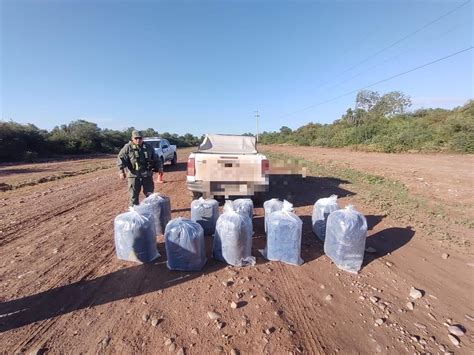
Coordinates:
(346, 232)
(233, 238)
(321, 210)
(284, 236)
(205, 212)
(185, 245)
(161, 207)
(269, 207)
(152, 211)
(244, 205)
(135, 237)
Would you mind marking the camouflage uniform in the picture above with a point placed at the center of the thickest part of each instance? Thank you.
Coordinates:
(140, 161)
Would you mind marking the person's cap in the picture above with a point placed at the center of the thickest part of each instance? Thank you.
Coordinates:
(136, 134)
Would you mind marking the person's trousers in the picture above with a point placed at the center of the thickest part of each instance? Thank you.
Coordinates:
(135, 184)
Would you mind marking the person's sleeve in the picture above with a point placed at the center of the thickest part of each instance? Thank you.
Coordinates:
(122, 159)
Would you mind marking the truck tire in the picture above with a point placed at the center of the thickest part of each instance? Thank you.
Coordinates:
(259, 198)
(174, 160)
(162, 162)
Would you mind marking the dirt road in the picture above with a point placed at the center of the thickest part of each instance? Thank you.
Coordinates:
(63, 290)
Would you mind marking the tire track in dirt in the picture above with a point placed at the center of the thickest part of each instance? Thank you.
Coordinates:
(34, 333)
(72, 252)
(293, 275)
(34, 220)
(76, 255)
(293, 300)
(30, 221)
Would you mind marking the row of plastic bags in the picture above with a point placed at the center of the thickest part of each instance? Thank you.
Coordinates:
(343, 232)
(135, 233)
(233, 230)
(206, 212)
(184, 238)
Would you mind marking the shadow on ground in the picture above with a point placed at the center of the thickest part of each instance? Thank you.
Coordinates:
(304, 191)
(387, 241)
(373, 220)
(125, 283)
(168, 168)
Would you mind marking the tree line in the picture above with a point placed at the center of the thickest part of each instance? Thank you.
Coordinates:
(375, 123)
(382, 123)
(26, 142)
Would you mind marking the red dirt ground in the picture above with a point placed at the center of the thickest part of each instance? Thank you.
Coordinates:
(64, 291)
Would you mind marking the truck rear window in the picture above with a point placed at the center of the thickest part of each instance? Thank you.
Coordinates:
(154, 144)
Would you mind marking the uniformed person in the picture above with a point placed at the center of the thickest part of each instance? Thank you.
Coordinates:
(137, 161)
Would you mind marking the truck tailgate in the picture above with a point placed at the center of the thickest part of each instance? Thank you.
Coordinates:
(232, 168)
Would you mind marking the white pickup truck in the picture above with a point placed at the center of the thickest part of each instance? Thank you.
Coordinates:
(227, 165)
(163, 148)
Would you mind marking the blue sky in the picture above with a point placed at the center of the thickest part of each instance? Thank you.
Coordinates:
(206, 66)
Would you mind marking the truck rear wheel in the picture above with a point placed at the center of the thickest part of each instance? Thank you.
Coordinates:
(174, 160)
(258, 198)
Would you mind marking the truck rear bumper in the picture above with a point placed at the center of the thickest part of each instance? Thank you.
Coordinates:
(228, 188)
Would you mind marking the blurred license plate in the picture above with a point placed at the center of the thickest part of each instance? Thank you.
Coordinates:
(230, 188)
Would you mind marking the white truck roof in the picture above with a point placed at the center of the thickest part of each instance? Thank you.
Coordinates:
(228, 144)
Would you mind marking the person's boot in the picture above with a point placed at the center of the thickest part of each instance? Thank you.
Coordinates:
(161, 180)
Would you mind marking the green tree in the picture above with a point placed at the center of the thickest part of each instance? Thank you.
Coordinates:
(77, 137)
(354, 117)
(367, 100)
(21, 141)
(285, 130)
(150, 132)
(392, 103)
